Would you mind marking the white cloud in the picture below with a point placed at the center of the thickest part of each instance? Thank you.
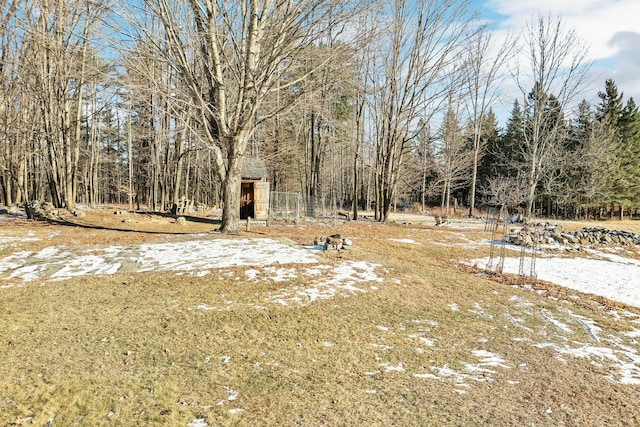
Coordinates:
(627, 60)
(596, 21)
(608, 27)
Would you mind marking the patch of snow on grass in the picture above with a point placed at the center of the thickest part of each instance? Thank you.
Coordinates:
(382, 347)
(475, 372)
(391, 368)
(409, 241)
(198, 256)
(446, 372)
(427, 376)
(422, 339)
(87, 264)
(558, 324)
(6, 241)
(520, 302)
(633, 334)
(233, 395)
(627, 361)
(26, 272)
(251, 274)
(331, 281)
(517, 321)
(427, 341)
(489, 359)
(589, 325)
(280, 274)
(479, 311)
(611, 278)
(486, 359)
(47, 253)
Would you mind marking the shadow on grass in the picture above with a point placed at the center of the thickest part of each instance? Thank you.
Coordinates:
(132, 229)
(189, 218)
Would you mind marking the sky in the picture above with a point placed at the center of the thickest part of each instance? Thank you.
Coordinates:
(610, 28)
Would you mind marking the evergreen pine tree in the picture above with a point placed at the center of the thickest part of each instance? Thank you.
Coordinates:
(629, 155)
(505, 150)
(623, 124)
(490, 163)
(592, 161)
(609, 110)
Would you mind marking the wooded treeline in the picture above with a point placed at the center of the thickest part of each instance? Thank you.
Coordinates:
(353, 104)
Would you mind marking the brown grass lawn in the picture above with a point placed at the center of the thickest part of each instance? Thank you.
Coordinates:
(432, 344)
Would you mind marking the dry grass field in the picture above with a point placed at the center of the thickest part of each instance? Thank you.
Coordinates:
(427, 341)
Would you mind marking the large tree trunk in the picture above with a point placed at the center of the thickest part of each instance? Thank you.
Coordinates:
(231, 204)
(231, 196)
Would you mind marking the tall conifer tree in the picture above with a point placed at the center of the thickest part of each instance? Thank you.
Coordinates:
(622, 122)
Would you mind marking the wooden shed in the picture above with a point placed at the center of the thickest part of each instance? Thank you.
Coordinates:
(254, 192)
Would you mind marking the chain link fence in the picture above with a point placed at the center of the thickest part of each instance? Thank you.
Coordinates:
(291, 208)
(323, 209)
(284, 208)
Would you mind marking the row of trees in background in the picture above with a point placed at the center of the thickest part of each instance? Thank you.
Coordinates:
(590, 168)
(353, 104)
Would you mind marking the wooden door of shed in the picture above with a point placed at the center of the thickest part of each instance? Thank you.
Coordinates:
(261, 200)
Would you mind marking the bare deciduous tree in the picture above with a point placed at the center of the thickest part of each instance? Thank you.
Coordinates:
(423, 38)
(556, 69)
(229, 56)
(505, 191)
(453, 157)
(483, 73)
(58, 35)
(46, 65)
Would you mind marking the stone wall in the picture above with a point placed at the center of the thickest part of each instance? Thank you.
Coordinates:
(551, 234)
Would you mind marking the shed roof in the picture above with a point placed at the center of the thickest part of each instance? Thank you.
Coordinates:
(254, 169)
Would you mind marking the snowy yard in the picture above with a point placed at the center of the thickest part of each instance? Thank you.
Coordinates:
(610, 272)
(198, 257)
(605, 273)
(598, 272)
(287, 276)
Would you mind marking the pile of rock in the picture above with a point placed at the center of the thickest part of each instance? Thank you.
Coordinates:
(335, 242)
(550, 234)
(37, 210)
(34, 209)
